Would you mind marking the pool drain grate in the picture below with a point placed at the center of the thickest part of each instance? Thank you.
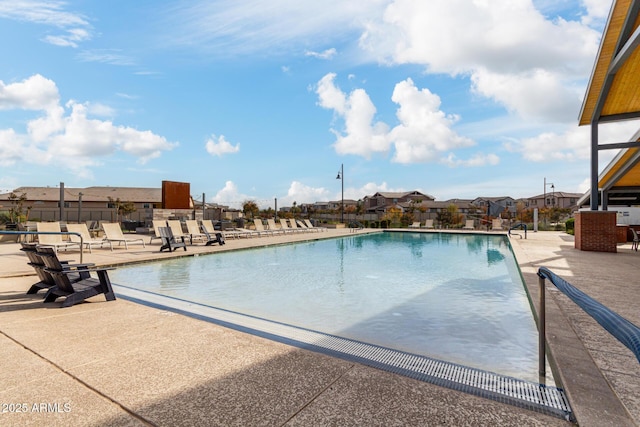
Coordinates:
(524, 394)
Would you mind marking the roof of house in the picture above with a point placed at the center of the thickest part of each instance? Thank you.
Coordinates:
(400, 194)
(493, 199)
(90, 194)
(560, 194)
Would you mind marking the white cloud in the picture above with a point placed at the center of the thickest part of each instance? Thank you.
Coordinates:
(536, 67)
(68, 131)
(301, 193)
(533, 95)
(50, 13)
(424, 131)
(34, 93)
(256, 27)
(222, 146)
(572, 145)
(230, 196)
(71, 39)
(498, 35)
(106, 56)
(325, 54)
(478, 159)
(10, 147)
(361, 136)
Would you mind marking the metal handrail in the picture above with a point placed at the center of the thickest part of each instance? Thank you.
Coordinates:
(521, 225)
(622, 329)
(64, 233)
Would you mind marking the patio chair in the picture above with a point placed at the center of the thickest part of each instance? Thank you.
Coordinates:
(636, 240)
(176, 228)
(46, 280)
(193, 231)
(213, 237)
(53, 240)
(257, 222)
(271, 224)
(313, 227)
(285, 226)
(93, 227)
(496, 224)
(416, 224)
(87, 240)
(113, 233)
(428, 224)
(169, 241)
(468, 225)
(303, 226)
(78, 291)
(207, 227)
(156, 223)
(293, 223)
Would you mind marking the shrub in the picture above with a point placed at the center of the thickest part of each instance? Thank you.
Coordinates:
(570, 225)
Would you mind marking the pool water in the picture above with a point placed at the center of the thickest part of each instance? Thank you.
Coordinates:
(455, 297)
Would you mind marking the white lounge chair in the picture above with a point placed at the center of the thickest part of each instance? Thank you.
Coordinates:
(303, 226)
(428, 224)
(113, 233)
(208, 227)
(193, 230)
(176, 229)
(285, 226)
(496, 224)
(257, 222)
(53, 240)
(273, 227)
(416, 224)
(157, 223)
(313, 227)
(468, 225)
(87, 240)
(295, 227)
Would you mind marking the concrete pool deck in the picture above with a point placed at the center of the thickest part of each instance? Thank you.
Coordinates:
(121, 363)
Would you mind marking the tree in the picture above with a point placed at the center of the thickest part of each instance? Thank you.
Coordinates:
(17, 203)
(250, 208)
(450, 217)
(122, 208)
(393, 216)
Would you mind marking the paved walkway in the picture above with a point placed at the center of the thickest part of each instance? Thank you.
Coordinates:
(120, 363)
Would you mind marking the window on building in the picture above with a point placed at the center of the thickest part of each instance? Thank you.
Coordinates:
(146, 206)
(111, 205)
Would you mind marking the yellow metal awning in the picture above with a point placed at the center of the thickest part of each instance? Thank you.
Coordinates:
(613, 94)
(614, 89)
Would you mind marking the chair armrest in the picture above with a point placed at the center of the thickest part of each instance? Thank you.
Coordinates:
(84, 270)
(78, 266)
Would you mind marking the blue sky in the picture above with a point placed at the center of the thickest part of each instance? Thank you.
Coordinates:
(248, 99)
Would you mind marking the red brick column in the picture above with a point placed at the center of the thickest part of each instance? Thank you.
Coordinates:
(596, 231)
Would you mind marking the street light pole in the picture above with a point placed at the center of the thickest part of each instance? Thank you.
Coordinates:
(545, 191)
(341, 177)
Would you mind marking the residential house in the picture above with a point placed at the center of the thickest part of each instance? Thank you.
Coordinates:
(379, 202)
(507, 202)
(554, 199)
(94, 203)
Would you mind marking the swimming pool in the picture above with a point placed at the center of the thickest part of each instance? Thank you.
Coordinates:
(454, 297)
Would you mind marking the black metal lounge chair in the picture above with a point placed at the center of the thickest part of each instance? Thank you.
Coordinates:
(75, 292)
(169, 241)
(77, 271)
